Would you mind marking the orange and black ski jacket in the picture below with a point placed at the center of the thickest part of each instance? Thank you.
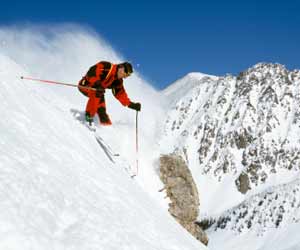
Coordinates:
(104, 74)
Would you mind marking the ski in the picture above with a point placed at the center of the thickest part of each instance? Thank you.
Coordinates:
(105, 146)
(79, 116)
(113, 156)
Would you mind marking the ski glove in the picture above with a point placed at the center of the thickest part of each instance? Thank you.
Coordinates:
(136, 106)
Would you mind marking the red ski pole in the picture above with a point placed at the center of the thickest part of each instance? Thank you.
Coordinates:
(58, 83)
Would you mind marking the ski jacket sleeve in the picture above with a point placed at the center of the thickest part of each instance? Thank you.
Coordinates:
(120, 94)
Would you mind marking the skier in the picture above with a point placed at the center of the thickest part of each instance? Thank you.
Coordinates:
(101, 76)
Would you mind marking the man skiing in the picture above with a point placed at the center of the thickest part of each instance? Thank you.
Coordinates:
(101, 76)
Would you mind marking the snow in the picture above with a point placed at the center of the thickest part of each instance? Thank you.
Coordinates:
(285, 238)
(182, 86)
(58, 188)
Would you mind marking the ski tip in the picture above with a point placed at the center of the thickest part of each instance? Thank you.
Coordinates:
(133, 176)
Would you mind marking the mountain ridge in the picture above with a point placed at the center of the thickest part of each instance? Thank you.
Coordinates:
(239, 136)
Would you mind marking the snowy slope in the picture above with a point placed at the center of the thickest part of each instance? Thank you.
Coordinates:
(58, 188)
(240, 138)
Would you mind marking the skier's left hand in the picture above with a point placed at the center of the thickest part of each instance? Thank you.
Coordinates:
(135, 105)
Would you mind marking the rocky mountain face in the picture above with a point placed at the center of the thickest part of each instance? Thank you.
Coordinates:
(277, 206)
(242, 132)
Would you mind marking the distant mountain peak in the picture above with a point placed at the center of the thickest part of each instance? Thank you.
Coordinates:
(185, 84)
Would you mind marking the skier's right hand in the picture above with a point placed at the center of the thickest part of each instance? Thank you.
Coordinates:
(135, 105)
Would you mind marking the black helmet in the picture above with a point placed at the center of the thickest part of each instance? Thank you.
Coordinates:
(127, 67)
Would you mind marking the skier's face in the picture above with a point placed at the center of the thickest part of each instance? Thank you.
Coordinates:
(121, 73)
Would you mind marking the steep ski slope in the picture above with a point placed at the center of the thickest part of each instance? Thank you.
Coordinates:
(58, 188)
(64, 53)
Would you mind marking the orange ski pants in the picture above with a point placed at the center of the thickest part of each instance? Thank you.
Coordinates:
(95, 101)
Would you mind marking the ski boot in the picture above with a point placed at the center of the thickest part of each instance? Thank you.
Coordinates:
(103, 117)
(89, 119)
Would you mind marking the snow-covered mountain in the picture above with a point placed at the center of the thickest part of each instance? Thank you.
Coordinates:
(181, 87)
(240, 138)
(60, 188)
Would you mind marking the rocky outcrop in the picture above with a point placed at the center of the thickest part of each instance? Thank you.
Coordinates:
(182, 191)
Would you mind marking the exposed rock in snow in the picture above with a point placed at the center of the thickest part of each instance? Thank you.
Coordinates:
(182, 191)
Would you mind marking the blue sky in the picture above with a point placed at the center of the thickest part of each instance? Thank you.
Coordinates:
(169, 39)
